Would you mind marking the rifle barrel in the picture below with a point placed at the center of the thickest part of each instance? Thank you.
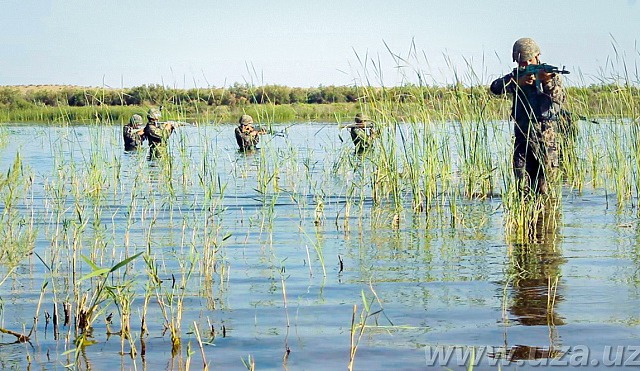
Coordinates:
(580, 117)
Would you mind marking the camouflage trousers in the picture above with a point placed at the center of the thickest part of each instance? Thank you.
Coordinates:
(535, 160)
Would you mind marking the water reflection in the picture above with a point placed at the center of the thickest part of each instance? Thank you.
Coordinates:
(160, 172)
(245, 216)
(536, 289)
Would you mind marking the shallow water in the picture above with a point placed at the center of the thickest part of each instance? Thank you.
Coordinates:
(430, 284)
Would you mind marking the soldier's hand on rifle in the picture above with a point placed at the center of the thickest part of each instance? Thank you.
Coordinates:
(373, 133)
(544, 76)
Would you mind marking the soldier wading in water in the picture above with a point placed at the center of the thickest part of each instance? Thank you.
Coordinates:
(157, 134)
(247, 136)
(133, 133)
(536, 108)
(362, 133)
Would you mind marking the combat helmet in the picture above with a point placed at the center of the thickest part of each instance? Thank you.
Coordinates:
(135, 120)
(154, 114)
(525, 49)
(245, 120)
(360, 118)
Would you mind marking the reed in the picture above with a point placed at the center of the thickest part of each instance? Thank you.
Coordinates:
(441, 163)
(171, 301)
(249, 363)
(359, 325)
(17, 228)
(92, 303)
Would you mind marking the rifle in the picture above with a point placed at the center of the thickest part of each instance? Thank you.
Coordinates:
(176, 124)
(566, 113)
(533, 69)
(270, 131)
(359, 125)
(136, 130)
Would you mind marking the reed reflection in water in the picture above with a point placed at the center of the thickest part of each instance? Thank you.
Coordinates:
(535, 288)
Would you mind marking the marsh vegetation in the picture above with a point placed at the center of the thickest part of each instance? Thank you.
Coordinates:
(304, 255)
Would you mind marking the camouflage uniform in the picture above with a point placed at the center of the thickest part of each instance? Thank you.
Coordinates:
(247, 136)
(132, 135)
(536, 112)
(362, 134)
(156, 135)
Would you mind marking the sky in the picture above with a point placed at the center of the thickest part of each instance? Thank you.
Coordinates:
(298, 43)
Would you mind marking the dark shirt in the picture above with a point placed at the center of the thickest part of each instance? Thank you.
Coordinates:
(247, 137)
(132, 137)
(530, 105)
(156, 134)
(362, 138)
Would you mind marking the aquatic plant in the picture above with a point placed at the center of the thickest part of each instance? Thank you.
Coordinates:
(17, 229)
(91, 303)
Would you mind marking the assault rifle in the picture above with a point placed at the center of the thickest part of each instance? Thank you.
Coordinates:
(270, 131)
(139, 130)
(570, 115)
(175, 124)
(360, 125)
(533, 69)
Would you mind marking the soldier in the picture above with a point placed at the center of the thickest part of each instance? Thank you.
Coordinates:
(157, 134)
(536, 108)
(133, 133)
(246, 135)
(362, 133)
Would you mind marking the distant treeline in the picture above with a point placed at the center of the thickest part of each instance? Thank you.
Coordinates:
(22, 101)
(238, 94)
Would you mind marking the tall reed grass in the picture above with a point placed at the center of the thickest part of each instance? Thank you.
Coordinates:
(442, 155)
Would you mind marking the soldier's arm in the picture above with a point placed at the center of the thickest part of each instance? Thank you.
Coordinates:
(360, 125)
(504, 85)
(254, 133)
(260, 130)
(153, 132)
(242, 134)
(133, 131)
(168, 128)
(359, 133)
(552, 86)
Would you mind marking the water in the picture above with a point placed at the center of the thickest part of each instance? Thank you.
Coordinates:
(255, 230)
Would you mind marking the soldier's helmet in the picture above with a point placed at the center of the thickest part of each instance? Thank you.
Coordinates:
(360, 118)
(525, 49)
(135, 120)
(154, 114)
(245, 120)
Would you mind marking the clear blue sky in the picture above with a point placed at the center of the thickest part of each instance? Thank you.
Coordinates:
(206, 43)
